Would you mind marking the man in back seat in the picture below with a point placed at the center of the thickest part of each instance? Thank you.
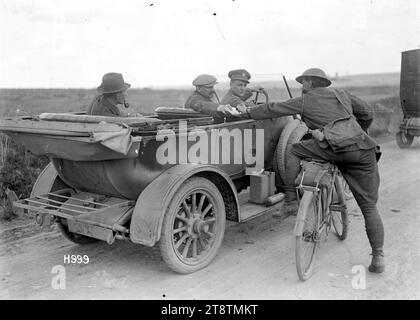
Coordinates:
(112, 93)
(205, 100)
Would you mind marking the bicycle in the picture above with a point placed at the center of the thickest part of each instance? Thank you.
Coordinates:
(322, 205)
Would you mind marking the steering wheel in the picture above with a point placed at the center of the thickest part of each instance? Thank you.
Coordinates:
(262, 91)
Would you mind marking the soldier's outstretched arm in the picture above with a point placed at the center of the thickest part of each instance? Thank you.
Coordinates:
(207, 107)
(276, 109)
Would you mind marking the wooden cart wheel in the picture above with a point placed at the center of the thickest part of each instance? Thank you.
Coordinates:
(404, 140)
(193, 226)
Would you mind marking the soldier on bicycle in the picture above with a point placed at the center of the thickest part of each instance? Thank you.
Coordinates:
(318, 106)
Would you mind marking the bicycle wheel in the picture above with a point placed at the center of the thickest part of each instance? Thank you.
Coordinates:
(339, 214)
(307, 233)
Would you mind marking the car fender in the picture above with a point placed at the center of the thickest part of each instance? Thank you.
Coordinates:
(151, 205)
(47, 181)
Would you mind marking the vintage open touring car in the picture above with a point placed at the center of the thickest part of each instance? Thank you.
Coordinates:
(104, 181)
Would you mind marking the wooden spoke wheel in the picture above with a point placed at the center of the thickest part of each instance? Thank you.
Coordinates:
(193, 226)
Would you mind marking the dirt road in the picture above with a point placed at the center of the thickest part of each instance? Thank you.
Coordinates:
(256, 260)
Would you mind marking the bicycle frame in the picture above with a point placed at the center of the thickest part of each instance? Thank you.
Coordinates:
(316, 213)
(324, 221)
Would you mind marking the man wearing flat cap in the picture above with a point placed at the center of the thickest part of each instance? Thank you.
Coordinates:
(112, 92)
(357, 161)
(238, 92)
(205, 100)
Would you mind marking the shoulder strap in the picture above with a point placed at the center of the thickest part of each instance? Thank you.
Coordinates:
(301, 114)
(339, 98)
(217, 97)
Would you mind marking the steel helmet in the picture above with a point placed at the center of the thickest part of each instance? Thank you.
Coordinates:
(315, 73)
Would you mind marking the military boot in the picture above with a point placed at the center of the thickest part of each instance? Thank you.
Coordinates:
(378, 262)
(289, 208)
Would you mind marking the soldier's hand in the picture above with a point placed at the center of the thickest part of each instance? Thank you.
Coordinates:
(317, 134)
(227, 109)
(241, 108)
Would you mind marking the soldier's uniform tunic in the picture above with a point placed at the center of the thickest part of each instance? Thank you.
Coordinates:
(231, 98)
(203, 104)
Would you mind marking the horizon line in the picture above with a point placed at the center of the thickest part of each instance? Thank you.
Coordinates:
(178, 86)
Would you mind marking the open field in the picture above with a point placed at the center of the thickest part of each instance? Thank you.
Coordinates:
(381, 90)
(33, 101)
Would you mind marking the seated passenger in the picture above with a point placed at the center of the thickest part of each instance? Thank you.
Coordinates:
(238, 92)
(204, 96)
(112, 93)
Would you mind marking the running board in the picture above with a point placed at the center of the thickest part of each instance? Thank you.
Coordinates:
(249, 210)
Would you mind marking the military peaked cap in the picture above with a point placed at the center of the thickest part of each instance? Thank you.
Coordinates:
(239, 74)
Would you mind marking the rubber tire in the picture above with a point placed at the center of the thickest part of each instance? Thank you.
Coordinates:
(346, 189)
(340, 195)
(404, 141)
(293, 132)
(278, 165)
(304, 209)
(165, 243)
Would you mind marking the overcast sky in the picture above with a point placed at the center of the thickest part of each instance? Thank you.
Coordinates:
(72, 43)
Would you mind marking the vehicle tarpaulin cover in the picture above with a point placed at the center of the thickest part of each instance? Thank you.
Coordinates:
(119, 141)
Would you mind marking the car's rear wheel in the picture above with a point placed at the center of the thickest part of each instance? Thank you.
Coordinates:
(193, 226)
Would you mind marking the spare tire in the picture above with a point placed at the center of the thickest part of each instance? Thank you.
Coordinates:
(293, 132)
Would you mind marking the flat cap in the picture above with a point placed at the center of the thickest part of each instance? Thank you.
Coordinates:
(204, 80)
(239, 74)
